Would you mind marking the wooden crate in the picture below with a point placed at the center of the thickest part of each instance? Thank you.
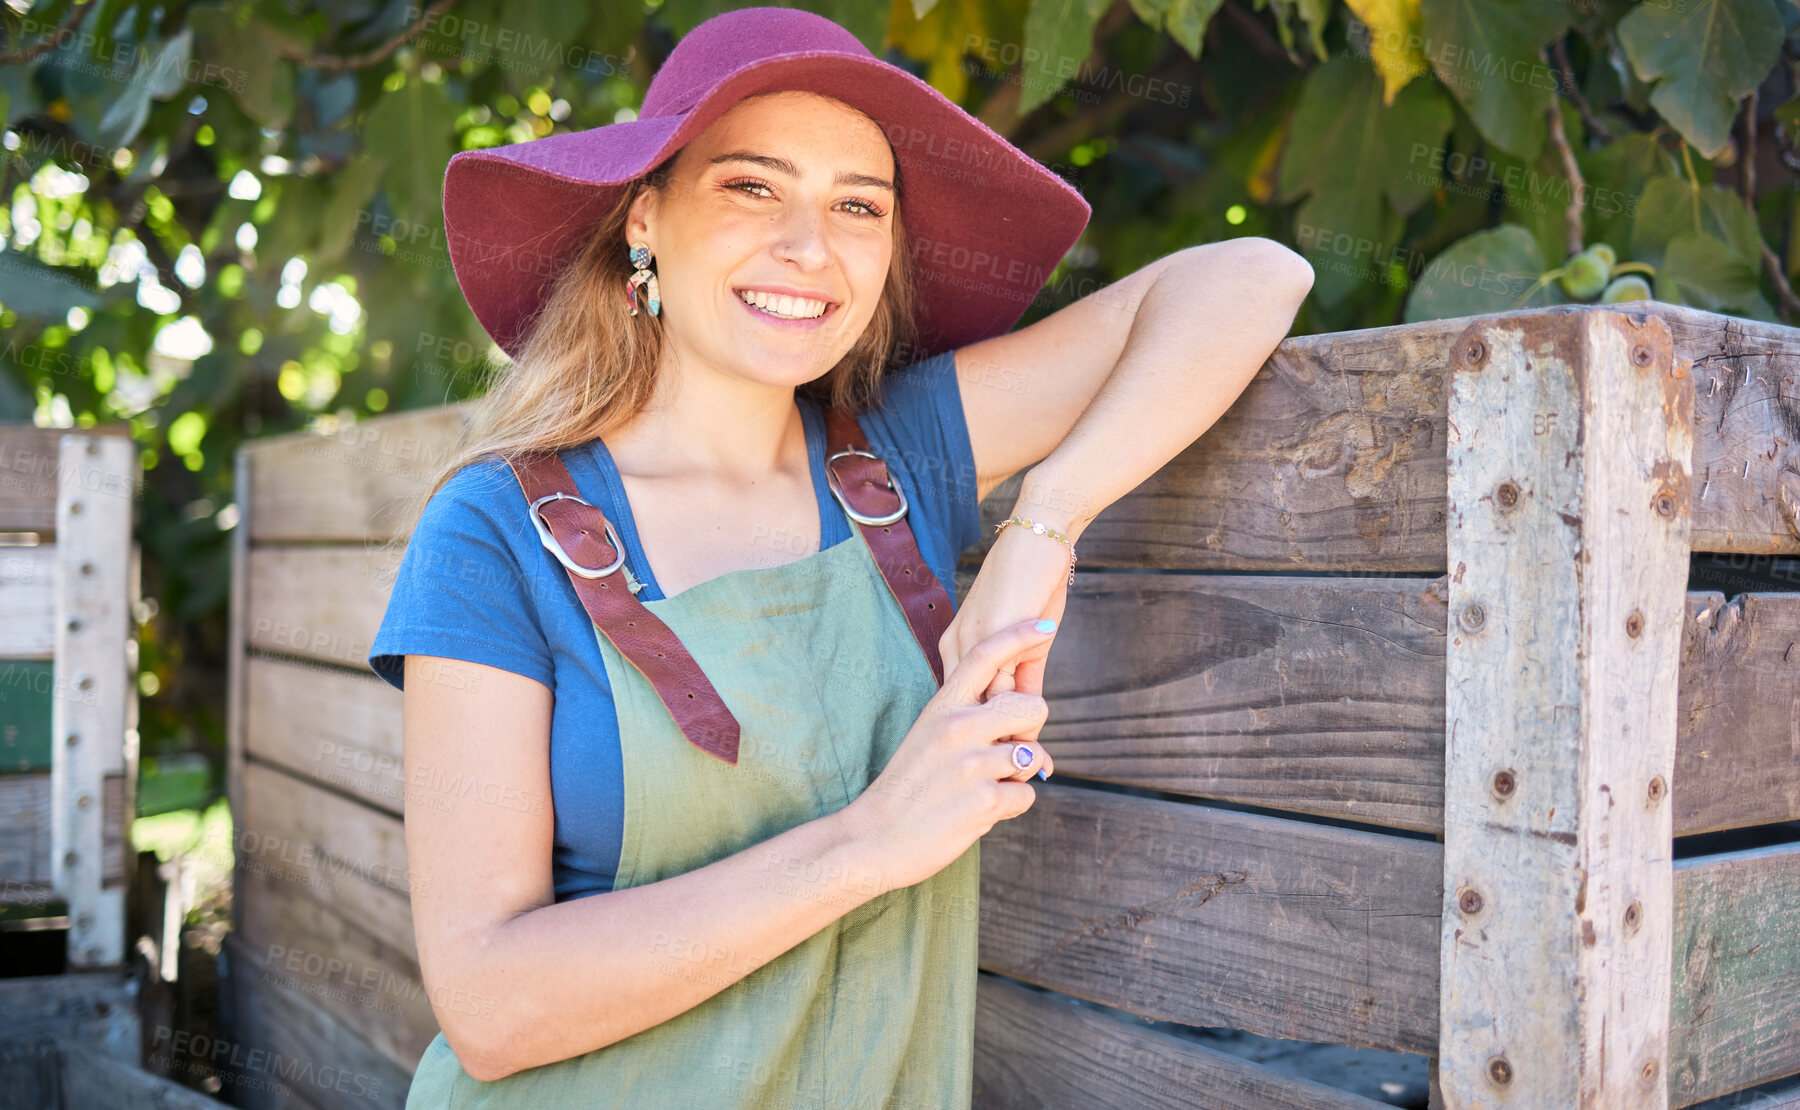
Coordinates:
(1466, 616)
(320, 969)
(1392, 756)
(68, 682)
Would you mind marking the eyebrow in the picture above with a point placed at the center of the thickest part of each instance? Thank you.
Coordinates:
(782, 165)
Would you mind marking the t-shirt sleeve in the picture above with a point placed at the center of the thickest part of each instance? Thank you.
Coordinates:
(460, 591)
(922, 405)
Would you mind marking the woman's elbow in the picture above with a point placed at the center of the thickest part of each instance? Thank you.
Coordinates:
(486, 1053)
(480, 1027)
(1284, 268)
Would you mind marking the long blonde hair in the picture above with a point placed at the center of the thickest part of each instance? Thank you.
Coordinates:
(587, 366)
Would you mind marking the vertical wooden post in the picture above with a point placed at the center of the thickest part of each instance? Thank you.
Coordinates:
(236, 664)
(1569, 443)
(93, 765)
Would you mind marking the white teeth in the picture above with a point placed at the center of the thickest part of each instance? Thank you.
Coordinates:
(792, 308)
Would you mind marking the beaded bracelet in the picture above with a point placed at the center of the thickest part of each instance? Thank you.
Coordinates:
(1042, 530)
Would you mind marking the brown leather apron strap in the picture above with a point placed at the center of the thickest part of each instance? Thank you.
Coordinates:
(879, 508)
(584, 541)
(587, 540)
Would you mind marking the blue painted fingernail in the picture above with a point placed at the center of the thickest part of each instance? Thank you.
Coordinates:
(1044, 773)
(1046, 625)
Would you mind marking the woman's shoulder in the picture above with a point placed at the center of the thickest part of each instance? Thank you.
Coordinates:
(917, 382)
(484, 490)
(918, 420)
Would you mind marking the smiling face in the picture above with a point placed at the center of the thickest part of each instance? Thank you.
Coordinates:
(786, 201)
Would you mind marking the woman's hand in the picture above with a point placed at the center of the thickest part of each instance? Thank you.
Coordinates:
(953, 778)
(1025, 576)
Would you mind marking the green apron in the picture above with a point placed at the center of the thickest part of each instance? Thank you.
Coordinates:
(876, 1010)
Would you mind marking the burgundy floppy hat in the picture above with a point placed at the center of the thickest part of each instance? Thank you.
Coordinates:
(986, 223)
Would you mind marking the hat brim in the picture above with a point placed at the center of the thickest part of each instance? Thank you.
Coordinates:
(986, 223)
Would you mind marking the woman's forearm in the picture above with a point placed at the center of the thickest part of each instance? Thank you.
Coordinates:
(569, 978)
(1200, 333)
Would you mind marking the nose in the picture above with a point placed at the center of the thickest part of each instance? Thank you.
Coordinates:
(800, 237)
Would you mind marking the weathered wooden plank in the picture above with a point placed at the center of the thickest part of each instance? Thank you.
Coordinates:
(1315, 694)
(1737, 749)
(300, 944)
(25, 830)
(322, 603)
(1333, 458)
(25, 833)
(30, 466)
(1328, 931)
(1207, 917)
(236, 653)
(1736, 1011)
(1324, 695)
(28, 602)
(292, 1052)
(96, 1008)
(1034, 1049)
(1746, 463)
(1780, 1096)
(90, 1079)
(352, 483)
(97, 478)
(1567, 534)
(347, 854)
(354, 745)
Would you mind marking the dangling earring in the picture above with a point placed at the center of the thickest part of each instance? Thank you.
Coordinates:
(640, 257)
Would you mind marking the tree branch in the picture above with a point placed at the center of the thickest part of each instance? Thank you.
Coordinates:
(1790, 305)
(380, 53)
(43, 45)
(1784, 292)
(1747, 164)
(1572, 90)
(1572, 233)
(1260, 39)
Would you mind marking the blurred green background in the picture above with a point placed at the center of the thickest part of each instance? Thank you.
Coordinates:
(223, 219)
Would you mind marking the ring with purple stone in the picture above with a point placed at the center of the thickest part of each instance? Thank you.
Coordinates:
(1022, 757)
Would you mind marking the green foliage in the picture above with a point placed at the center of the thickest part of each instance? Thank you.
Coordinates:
(1490, 271)
(223, 217)
(1492, 65)
(1359, 162)
(1702, 56)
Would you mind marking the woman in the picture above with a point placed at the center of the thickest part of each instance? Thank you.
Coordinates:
(698, 754)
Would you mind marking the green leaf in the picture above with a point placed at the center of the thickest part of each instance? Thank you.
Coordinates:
(248, 56)
(348, 207)
(30, 288)
(1703, 55)
(418, 121)
(1356, 158)
(1671, 206)
(1617, 175)
(1481, 273)
(530, 39)
(1187, 20)
(1059, 36)
(1487, 53)
(1788, 115)
(862, 18)
(1315, 14)
(1704, 272)
(1151, 12)
(1537, 192)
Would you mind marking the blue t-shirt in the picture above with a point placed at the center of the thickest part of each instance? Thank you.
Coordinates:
(477, 584)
